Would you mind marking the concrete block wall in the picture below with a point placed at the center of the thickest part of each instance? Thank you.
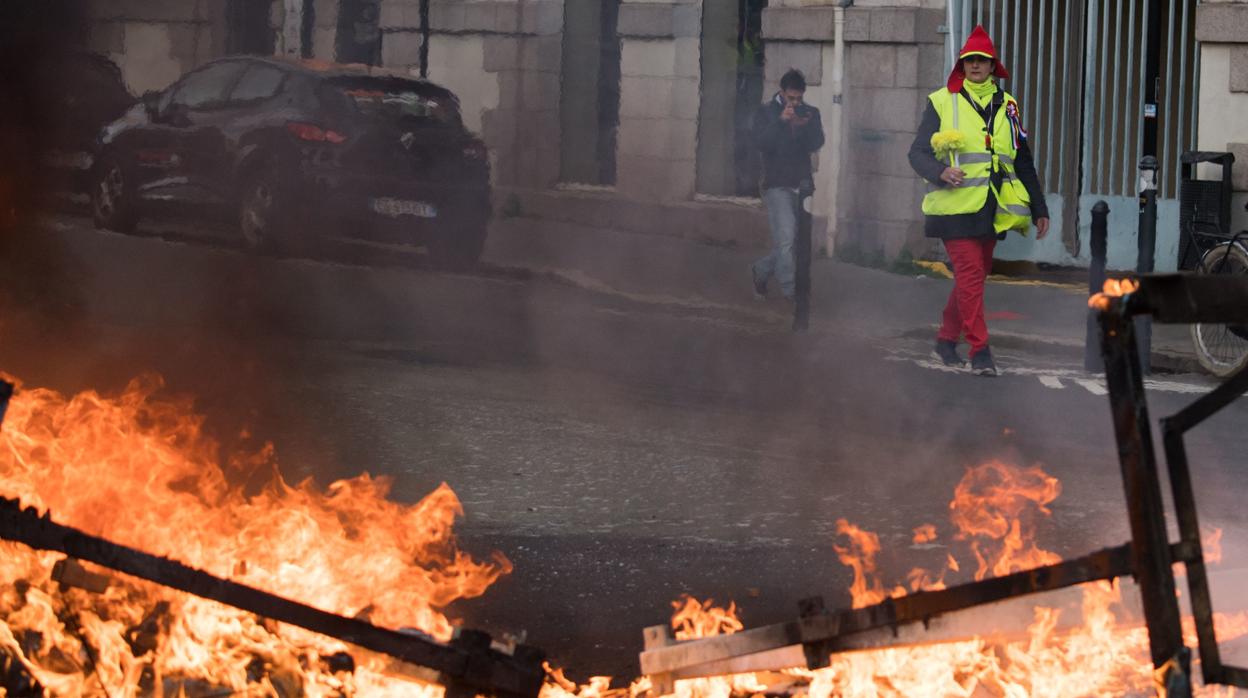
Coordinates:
(894, 59)
(659, 98)
(1222, 29)
(154, 42)
(503, 59)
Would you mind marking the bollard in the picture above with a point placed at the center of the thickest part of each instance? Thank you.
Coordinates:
(1098, 245)
(801, 259)
(1146, 251)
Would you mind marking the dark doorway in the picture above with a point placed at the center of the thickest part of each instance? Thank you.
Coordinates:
(359, 35)
(247, 27)
(590, 92)
(732, 88)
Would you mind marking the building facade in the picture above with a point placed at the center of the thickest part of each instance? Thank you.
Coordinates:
(634, 113)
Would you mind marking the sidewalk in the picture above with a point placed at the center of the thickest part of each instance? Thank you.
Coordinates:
(1027, 315)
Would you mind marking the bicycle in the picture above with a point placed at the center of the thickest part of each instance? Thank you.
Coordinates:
(1222, 349)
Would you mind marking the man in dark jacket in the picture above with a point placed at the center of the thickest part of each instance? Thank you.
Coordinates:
(787, 131)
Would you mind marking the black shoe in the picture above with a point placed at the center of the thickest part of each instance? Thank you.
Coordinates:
(981, 363)
(760, 284)
(947, 352)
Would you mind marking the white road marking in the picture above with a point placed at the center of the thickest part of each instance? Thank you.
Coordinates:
(1059, 378)
(1051, 382)
(1093, 386)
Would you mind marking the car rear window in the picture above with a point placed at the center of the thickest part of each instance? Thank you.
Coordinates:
(396, 100)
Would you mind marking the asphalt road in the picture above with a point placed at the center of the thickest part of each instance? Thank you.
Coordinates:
(619, 450)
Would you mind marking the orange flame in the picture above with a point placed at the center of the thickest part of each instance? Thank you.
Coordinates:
(1113, 288)
(693, 619)
(140, 471)
(924, 534)
(997, 507)
(859, 555)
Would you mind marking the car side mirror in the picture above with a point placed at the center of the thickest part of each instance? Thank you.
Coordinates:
(151, 102)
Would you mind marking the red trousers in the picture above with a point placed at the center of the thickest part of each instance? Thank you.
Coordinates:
(971, 259)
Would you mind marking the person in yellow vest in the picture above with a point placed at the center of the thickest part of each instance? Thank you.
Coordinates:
(973, 150)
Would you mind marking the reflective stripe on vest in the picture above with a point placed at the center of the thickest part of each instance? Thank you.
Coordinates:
(978, 161)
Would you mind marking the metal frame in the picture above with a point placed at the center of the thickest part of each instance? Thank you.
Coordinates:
(1171, 298)
(1148, 557)
(467, 666)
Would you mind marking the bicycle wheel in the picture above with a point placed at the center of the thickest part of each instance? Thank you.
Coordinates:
(1222, 349)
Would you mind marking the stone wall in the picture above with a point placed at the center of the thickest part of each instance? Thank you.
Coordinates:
(894, 59)
(503, 59)
(156, 41)
(1222, 29)
(659, 99)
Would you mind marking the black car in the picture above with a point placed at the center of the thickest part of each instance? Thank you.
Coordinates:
(296, 151)
(54, 106)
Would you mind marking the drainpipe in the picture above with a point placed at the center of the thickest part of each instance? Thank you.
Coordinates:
(951, 34)
(834, 123)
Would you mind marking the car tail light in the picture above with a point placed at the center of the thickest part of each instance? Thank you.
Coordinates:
(314, 133)
(476, 150)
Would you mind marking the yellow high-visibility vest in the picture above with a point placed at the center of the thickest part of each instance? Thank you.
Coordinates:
(978, 157)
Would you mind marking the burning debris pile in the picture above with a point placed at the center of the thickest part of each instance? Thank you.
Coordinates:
(1097, 648)
(141, 472)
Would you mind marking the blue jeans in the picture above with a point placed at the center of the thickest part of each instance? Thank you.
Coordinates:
(782, 215)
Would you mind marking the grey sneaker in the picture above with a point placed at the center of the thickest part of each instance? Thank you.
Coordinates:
(981, 363)
(947, 352)
(760, 284)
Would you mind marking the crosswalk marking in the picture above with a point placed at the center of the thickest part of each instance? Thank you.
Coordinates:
(1094, 387)
(1059, 378)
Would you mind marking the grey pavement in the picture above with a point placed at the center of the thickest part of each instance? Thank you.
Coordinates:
(1031, 315)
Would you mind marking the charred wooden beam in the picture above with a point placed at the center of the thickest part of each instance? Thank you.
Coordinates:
(1150, 548)
(70, 573)
(6, 392)
(825, 633)
(1188, 298)
(467, 664)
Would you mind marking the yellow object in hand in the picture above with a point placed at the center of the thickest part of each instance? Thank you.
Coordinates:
(947, 142)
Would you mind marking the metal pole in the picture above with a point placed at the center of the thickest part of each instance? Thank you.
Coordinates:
(424, 38)
(1152, 76)
(1115, 126)
(801, 255)
(1103, 160)
(1092, 360)
(1176, 103)
(1146, 252)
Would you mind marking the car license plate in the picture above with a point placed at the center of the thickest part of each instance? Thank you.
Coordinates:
(403, 207)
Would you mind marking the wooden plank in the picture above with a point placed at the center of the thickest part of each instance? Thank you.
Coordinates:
(1004, 621)
(820, 629)
(719, 647)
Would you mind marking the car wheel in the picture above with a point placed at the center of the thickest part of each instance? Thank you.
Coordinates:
(112, 198)
(261, 210)
(459, 249)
